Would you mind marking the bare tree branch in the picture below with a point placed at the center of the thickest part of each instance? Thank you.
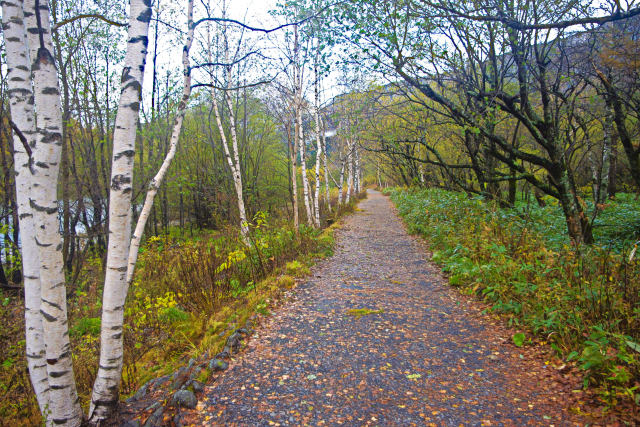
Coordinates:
(88, 15)
(249, 85)
(517, 25)
(266, 30)
(225, 64)
(21, 137)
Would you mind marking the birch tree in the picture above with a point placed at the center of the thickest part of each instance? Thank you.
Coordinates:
(293, 156)
(305, 179)
(349, 170)
(155, 183)
(232, 155)
(326, 167)
(294, 175)
(63, 406)
(38, 171)
(356, 169)
(341, 183)
(106, 387)
(316, 108)
(22, 113)
(236, 170)
(298, 105)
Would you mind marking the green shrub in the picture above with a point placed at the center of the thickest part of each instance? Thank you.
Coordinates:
(86, 326)
(172, 315)
(296, 268)
(286, 281)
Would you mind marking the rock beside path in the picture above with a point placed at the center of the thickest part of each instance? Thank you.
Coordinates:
(184, 399)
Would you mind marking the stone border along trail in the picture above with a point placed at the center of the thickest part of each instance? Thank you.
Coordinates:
(429, 357)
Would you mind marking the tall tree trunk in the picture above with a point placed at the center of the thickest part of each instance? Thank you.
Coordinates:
(64, 176)
(613, 189)
(326, 170)
(294, 179)
(64, 406)
(237, 178)
(595, 178)
(232, 156)
(356, 170)
(577, 223)
(22, 114)
(155, 183)
(316, 199)
(233, 162)
(617, 110)
(513, 188)
(303, 171)
(154, 78)
(105, 395)
(605, 169)
(298, 77)
(350, 172)
(341, 184)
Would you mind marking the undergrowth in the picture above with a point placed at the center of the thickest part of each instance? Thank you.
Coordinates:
(188, 295)
(584, 301)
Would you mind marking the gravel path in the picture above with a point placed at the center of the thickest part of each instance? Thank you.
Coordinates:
(420, 354)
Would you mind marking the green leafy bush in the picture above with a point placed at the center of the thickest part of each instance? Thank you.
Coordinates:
(86, 326)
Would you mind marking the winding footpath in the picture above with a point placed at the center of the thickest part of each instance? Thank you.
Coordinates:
(414, 351)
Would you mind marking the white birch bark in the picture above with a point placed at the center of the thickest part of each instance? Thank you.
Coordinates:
(155, 183)
(232, 155)
(106, 387)
(305, 179)
(294, 180)
(237, 175)
(294, 153)
(357, 169)
(22, 113)
(233, 163)
(316, 199)
(64, 407)
(360, 182)
(298, 76)
(340, 186)
(326, 170)
(349, 171)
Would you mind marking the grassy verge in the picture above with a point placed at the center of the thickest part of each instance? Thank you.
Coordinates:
(584, 301)
(188, 295)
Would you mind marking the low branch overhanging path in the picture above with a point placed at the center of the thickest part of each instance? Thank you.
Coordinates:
(415, 352)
